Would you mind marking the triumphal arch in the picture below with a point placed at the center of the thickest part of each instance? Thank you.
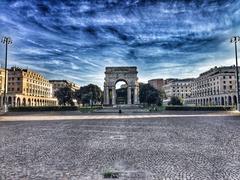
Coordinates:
(115, 74)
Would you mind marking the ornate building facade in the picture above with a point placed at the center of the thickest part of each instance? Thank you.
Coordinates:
(214, 87)
(28, 88)
(178, 87)
(57, 84)
(115, 74)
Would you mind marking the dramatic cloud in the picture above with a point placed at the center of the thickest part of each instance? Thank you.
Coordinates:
(75, 40)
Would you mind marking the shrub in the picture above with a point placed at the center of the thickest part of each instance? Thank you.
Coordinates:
(112, 175)
(43, 108)
(199, 108)
(175, 101)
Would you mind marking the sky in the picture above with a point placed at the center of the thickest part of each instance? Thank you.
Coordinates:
(76, 40)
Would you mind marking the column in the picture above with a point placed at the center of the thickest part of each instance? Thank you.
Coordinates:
(129, 96)
(136, 95)
(107, 95)
(113, 95)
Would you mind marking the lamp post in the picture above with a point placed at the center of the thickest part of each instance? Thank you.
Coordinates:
(235, 40)
(5, 40)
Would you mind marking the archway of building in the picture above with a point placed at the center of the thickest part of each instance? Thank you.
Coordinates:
(9, 102)
(18, 102)
(234, 100)
(121, 87)
(222, 101)
(24, 102)
(229, 100)
(29, 102)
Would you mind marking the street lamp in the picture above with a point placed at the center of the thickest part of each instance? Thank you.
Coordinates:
(235, 40)
(5, 40)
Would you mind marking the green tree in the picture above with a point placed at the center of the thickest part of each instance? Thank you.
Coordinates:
(175, 101)
(90, 94)
(149, 95)
(65, 96)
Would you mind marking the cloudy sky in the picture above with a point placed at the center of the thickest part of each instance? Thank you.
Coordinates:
(76, 40)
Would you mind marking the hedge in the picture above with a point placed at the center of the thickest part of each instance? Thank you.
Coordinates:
(199, 108)
(43, 108)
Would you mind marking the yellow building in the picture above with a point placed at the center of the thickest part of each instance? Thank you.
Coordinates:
(28, 88)
(2, 78)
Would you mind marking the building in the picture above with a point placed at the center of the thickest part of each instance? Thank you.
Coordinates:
(214, 87)
(28, 88)
(57, 84)
(157, 83)
(178, 87)
(2, 83)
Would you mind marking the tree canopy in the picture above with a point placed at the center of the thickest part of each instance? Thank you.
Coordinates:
(175, 101)
(65, 96)
(90, 94)
(149, 95)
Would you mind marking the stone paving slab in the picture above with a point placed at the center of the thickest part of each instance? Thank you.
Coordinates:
(162, 148)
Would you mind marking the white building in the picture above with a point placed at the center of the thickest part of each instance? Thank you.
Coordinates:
(214, 87)
(178, 87)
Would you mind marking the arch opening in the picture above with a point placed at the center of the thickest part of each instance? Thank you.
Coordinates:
(121, 91)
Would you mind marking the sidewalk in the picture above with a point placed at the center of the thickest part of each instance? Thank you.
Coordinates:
(75, 115)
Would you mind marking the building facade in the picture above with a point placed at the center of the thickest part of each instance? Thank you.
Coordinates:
(28, 88)
(157, 83)
(57, 84)
(214, 87)
(178, 87)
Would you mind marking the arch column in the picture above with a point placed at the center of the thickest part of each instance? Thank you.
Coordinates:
(129, 96)
(136, 100)
(106, 95)
(113, 95)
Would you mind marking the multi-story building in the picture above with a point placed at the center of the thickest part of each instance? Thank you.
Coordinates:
(57, 84)
(28, 88)
(214, 87)
(178, 87)
(157, 83)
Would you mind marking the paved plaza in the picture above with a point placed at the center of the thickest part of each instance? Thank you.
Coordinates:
(201, 147)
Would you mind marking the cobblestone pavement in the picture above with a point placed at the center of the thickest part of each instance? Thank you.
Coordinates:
(162, 148)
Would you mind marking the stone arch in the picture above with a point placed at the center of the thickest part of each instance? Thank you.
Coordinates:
(29, 102)
(9, 101)
(215, 101)
(222, 101)
(24, 102)
(229, 100)
(122, 93)
(116, 74)
(234, 100)
(18, 102)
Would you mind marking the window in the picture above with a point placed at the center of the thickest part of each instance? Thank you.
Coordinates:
(230, 87)
(224, 87)
(223, 77)
(230, 77)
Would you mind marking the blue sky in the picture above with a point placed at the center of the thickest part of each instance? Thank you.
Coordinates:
(76, 40)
